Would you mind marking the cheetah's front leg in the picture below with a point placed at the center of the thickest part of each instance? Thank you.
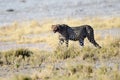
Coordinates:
(66, 41)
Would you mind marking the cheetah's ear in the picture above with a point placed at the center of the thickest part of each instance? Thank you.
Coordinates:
(66, 25)
(59, 26)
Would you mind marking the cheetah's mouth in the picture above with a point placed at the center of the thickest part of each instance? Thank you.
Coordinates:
(55, 31)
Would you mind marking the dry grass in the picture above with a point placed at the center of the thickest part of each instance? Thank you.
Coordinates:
(17, 31)
(77, 63)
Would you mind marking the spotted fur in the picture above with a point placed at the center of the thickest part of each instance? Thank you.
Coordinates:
(79, 33)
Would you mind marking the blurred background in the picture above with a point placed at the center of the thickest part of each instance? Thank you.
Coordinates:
(24, 10)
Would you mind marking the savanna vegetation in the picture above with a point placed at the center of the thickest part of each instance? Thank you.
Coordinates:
(72, 63)
(20, 32)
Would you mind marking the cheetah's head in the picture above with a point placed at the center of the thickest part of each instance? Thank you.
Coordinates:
(59, 28)
(55, 28)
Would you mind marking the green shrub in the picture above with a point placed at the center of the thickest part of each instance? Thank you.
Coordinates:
(64, 53)
(23, 52)
(21, 77)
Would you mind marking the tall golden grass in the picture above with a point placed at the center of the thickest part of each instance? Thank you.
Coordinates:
(17, 31)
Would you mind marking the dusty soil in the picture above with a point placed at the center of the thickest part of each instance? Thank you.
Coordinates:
(18, 10)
